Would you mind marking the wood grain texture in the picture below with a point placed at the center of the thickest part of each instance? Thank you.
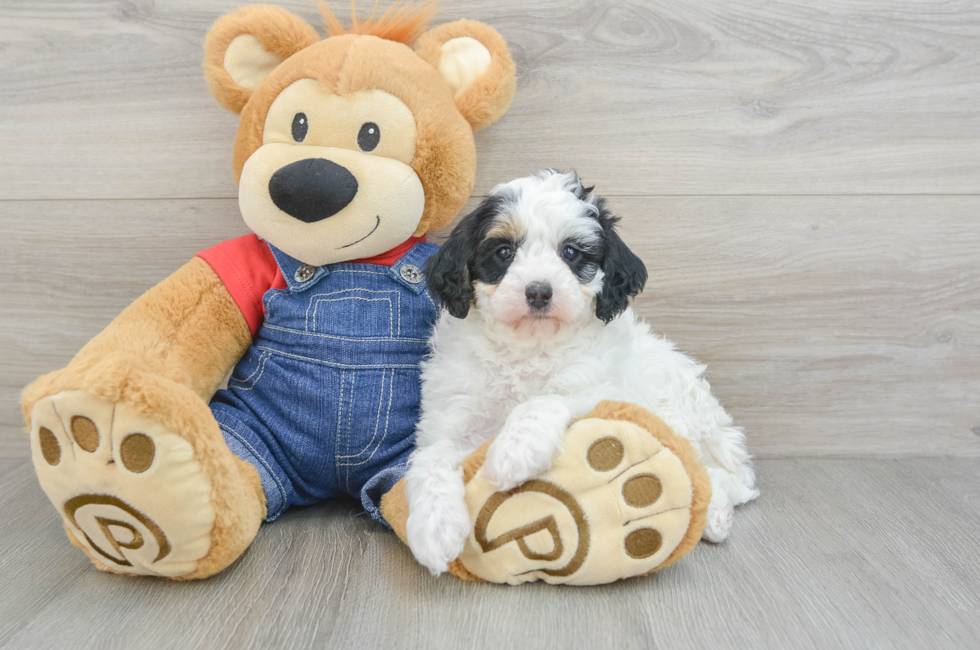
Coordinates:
(835, 554)
(831, 326)
(105, 99)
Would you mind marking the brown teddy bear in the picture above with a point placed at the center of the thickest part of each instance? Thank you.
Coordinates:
(349, 150)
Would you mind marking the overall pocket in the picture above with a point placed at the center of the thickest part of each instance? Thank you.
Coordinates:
(376, 421)
(366, 313)
(249, 369)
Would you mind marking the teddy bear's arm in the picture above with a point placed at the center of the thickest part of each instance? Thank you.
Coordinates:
(187, 329)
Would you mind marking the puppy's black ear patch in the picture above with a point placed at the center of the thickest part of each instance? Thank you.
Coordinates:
(447, 272)
(625, 273)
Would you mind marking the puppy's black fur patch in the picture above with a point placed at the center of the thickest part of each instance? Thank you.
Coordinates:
(625, 273)
(586, 261)
(490, 265)
(449, 273)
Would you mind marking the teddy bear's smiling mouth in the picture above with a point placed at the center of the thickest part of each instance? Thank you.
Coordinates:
(376, 224)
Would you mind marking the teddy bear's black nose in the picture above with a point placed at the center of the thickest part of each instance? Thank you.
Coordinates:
(312, 189)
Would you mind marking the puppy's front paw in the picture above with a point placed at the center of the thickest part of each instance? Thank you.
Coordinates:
(518, 454)
(437, 535)
(718, 521)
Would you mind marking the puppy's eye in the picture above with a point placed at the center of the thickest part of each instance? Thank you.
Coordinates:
(369, 136)
(504, 253)
(301, 126)
(569, 253)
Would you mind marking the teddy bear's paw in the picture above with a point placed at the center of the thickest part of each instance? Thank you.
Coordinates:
(132, 495)
(436, 535)
(625, 496)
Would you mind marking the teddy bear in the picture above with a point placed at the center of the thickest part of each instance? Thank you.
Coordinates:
(349, 150)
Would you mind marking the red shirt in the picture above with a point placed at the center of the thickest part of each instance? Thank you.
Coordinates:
(248, 269)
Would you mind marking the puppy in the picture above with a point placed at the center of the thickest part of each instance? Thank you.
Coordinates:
(536, 330)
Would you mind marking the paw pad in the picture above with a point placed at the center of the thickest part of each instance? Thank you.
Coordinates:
(85, 432)
(136, 452)
(50, 448)
(615, 503)
(643, 542)
(642, 490)
(132, 494)
(605, 454)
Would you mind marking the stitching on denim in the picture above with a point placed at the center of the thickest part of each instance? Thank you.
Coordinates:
(377, 420)
(262, 355)
(313, 302)
(271, 296)
(348, 290)
(344, 338)
(391, 316)
(241, 383)
(345, 433)
(266, 301)
(391, 392)
(340, 404)
(357, 271)
(258, 457)
(350, 412)
(338, 365)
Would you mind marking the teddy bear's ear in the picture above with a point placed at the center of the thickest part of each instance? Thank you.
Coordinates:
(243, 47)
(474, 61)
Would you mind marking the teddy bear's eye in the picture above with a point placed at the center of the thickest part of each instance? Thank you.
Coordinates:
(369, 136)
(300, 127)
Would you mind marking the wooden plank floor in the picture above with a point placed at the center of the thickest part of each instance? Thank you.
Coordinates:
(835, 554)
(803, 181)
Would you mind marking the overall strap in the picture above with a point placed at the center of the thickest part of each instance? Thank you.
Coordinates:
(407, 271)
(298, 275)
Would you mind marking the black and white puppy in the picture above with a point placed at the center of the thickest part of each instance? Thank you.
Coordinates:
(536, 330)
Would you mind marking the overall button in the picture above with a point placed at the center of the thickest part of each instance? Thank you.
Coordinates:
(411, 273)
(304, 272)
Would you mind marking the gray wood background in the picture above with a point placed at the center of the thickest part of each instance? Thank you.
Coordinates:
(803, 181)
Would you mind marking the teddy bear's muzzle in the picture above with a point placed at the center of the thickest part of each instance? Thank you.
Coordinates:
(312, 189)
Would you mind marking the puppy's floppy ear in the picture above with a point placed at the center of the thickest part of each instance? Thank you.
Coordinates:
(243, 47)
(447, 272)
(473, 60)
(625, 273)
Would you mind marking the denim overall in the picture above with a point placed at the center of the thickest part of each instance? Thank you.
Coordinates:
(326, 398)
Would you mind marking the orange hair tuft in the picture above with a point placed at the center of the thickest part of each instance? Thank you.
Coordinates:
(401, 22)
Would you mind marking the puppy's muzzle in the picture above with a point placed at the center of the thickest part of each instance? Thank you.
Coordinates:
(313, 189)
(538, 296)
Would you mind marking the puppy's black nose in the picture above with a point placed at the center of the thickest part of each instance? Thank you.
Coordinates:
(538, 295)
(312, 189)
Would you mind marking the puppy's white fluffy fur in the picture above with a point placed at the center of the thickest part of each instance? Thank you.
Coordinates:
(524, 374)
